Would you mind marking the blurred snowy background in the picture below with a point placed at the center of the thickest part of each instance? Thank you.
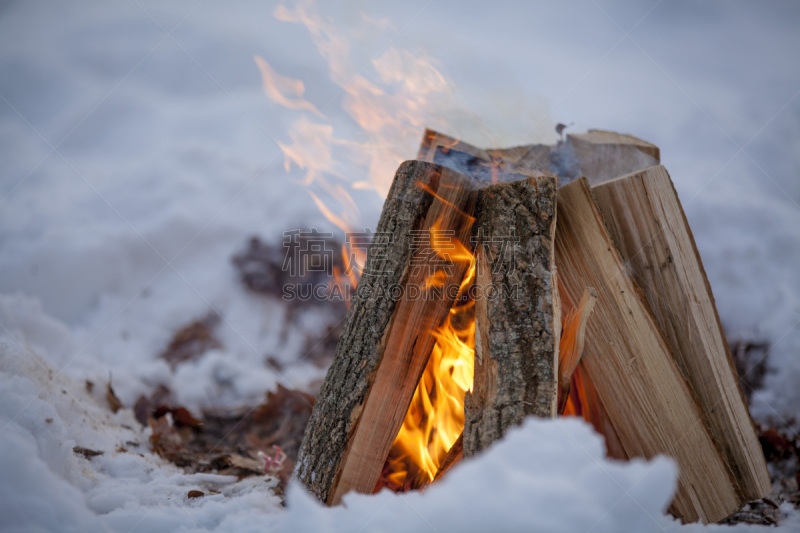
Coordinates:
(140, 152)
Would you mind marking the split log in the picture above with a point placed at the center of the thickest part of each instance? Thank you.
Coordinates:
(646, 220)
(489, 166)
(573, 338)
(646, 397)
(585, 402)
(454, 455)
(433, 140)
(603, 155)
(536, 158)
(598, 154)
(529, 160)
(577, 395)
(517, 311)
(486, 172)
(386, 340)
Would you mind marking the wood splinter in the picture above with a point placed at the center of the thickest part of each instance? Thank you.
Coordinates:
(453, 456)
(572, 340)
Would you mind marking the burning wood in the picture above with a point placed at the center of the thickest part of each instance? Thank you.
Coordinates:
(573, 338)
(649, 368)
(388, 336)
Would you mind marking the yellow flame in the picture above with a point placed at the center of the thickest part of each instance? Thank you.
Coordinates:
(435, 418)
(390, 102)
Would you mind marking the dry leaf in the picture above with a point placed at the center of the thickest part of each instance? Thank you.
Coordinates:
(86, 452)
(112, 399)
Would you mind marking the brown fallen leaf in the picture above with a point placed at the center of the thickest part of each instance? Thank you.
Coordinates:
(111, 397)
(192, 341)
(181, 417)
(196, 494)
(144, 407)
(237, 442)
(167, 443)
(86, 452)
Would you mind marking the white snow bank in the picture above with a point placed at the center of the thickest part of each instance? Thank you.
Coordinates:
(170, 161)
(545, 476)
(540, 467)
(48, 487)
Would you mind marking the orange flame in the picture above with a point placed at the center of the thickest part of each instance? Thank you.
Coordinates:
(390, 103)
(390, 99)
(435, 417)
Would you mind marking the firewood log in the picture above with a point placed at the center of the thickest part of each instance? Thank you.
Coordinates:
(603, 155)
(517, 311)
(646, 398)
(387, 337)
(645, 218)
(433, 140)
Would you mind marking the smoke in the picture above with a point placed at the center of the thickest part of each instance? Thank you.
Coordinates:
(391, 97)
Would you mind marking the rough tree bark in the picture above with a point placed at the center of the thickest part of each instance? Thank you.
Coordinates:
(386, 339)
(517, 314)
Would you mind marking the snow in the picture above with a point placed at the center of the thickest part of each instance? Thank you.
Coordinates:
(137, 161)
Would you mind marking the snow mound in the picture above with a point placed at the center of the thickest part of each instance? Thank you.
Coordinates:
(516, 485)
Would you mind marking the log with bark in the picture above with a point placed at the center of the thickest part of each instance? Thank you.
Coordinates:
(385, 344)
(646, 221)
(387, 337)
(649, 367)
(517, 313)
(515, 351)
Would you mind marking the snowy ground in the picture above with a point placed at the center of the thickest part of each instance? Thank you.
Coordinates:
(140, 152)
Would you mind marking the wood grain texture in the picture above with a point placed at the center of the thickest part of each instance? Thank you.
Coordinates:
(646, 397)
(599, 155)
(487, 166)
(573, 337)
(603, 155)
(535, 158)
(646, 221)
(485, 172)
(359, 352)
(517, 314)
(386, 339)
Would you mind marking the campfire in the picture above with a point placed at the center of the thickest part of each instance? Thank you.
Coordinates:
(534, 281)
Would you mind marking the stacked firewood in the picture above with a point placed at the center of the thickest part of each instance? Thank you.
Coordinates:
(601, 309)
